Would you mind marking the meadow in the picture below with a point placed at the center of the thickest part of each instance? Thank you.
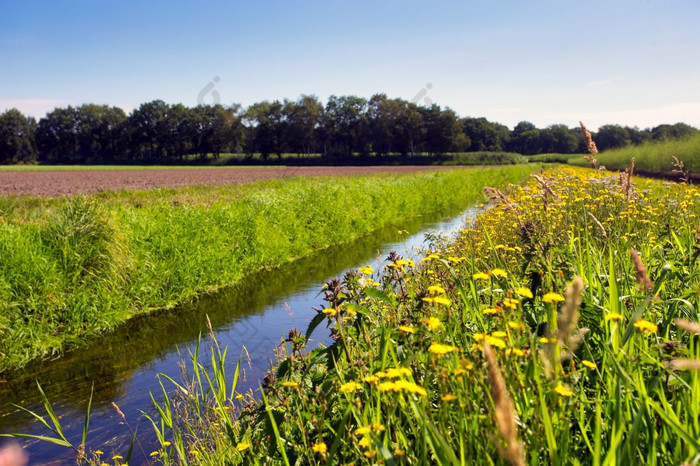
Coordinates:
(652, 158)
(560, 328)
(76, 266)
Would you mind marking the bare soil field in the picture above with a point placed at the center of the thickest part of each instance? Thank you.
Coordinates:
(48, 183)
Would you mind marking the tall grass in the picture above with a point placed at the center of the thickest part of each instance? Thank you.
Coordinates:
(652, 157)
(562, 328)
(73, 267)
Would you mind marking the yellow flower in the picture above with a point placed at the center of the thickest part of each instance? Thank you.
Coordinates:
(395, 372)
(515, 351)
(480, 276)
(401, 262)
(511, 303)
(290, 384)
(319, 447)
(100, 452)
(411, 387)
(243, 446)
(562, 390)
(589, 364)
(497, 342)
(398, 452)
(165, 444)
(349, 387)
(491, 310)
(364, 442)
(367, 270)
(117, 457)
(442, 300)
(437, 289)
(525, 292)
(371, 454)
(499, 273)
(371, 379)
(516, 325)
(363, 430)
(613, 316)
(466, 364)
(438, 348)
(499, 334)
(378, 427)
(407, 329)
(552, 297)
(645, 326)
(330, 311)
(479, 336)
(448, 397)
(432, 322)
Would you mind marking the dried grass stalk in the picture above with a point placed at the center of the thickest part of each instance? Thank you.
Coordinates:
(567, 320)
(505, 412)
(496, 195)
(590, 144)
(641, 271)
(688, 326)
(685, 364)
(600, 225)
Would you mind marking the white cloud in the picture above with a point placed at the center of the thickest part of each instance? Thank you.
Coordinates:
(685, 112)
(603, 82)
(33, 107)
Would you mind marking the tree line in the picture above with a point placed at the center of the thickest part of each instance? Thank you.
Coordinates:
(157, 132)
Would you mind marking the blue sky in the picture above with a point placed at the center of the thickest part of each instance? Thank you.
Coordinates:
(630, 62)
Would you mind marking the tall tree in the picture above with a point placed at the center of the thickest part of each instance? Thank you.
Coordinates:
(486, 135)
(17, 138)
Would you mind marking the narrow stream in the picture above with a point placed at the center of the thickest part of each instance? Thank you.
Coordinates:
(123, 364)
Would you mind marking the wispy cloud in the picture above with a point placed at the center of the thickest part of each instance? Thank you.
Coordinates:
(603, 82)
(645, 117)
(33, 107)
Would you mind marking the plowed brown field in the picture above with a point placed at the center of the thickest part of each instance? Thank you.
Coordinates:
(50, 183)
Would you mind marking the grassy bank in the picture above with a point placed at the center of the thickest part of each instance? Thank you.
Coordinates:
(562, 328)
(652, 157)
(72, 267)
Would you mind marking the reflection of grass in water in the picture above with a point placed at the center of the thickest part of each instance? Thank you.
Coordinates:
(176, 243)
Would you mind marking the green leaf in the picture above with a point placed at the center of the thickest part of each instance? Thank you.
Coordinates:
(315, 322)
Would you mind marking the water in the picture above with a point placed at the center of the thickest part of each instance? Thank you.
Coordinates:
(121, 366)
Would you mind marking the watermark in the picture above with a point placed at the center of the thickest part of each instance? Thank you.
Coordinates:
(422, 95)
(209, 89)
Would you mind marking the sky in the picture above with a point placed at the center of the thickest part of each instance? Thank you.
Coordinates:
(627, 62)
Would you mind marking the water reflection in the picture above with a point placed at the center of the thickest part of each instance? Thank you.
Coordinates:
(122, 365)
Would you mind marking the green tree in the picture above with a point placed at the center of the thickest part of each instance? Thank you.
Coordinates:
(17, 138)
(57, 136)
(525, 139)
(611, 136)
(345, 122)
(558, 139)
(485, 135)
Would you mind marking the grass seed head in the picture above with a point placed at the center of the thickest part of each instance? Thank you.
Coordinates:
(590, 144)
(641, 271)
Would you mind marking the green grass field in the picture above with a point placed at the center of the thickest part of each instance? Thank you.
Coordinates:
(654, 157)
(72, 267)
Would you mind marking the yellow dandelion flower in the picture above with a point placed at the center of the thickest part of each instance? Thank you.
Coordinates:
(516, 325)
(330, 311)
(524, 292)
(479, 336)
(614, 316)
(480, 276)
(495, 342)
(499, 334)
(319, 447)
(243, 446)
(500, 273)
(645, 326)
(448, 397)
(387, 387)
(438, 348)
(433, 323)
(589, 364)
(407, 329)
(117, 457)
(364, 442)
(437, 289)
(290, 384)
(552, 297)
(363, 430)
(563, 391)
(491, 310)
(515, 351)
(378, 427)
(100, 452)
(466, 364)
(165, 444)
(349, 387)
(399, 452)
(367, 270)
(371, 454)
(402, 262)
(442, 300)
(428, 300)
(410, 387)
